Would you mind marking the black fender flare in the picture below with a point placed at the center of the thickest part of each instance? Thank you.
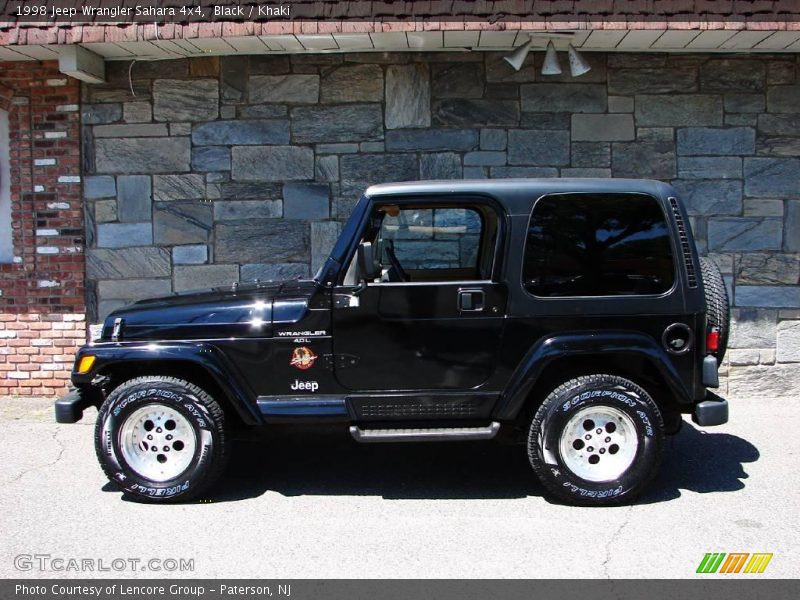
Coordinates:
(548, 349)
(200, 354)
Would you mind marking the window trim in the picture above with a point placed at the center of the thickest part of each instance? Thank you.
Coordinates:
(422, 283)
(435, 200)
(619, 297)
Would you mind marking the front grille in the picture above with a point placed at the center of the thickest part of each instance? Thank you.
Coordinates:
(686, 249)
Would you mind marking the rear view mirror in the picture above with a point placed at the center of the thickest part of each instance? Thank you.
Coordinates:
(367, 269)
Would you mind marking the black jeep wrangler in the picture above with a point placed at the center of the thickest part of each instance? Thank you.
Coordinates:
(574, 311)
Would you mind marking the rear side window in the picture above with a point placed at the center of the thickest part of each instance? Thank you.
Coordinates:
(597, 245)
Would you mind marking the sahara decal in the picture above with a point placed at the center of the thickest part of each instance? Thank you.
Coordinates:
(308, 386)
(303, 358)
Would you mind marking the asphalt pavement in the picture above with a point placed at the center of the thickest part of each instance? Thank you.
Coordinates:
(306, 506)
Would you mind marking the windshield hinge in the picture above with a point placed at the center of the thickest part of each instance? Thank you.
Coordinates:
(116, 332)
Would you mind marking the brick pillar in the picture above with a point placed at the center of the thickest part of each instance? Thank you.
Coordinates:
(42, 312)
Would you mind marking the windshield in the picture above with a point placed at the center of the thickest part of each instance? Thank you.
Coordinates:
(348, 234)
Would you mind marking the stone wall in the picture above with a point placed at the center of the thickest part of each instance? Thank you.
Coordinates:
(207, 171)
(41, 290)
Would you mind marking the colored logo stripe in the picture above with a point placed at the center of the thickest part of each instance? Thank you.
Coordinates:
(734, 562)
(758, 562)
(713, 562)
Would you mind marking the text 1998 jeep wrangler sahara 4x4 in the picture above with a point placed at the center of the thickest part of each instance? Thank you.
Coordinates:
(574, 310)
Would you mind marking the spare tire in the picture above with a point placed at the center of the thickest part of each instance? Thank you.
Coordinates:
(718, 310)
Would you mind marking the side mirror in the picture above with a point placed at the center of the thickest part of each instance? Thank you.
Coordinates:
(367, 269)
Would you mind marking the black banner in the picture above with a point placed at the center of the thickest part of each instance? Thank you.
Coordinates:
(733, 588)
(56, 12)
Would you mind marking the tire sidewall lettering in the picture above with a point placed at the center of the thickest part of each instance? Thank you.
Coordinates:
(606, 493)
(593, 394)
(153, 492)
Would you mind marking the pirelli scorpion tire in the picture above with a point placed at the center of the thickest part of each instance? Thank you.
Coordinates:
(161, 439)
(596, 440)
(717, 307)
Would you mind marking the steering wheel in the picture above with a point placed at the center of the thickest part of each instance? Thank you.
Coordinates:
(396, 263)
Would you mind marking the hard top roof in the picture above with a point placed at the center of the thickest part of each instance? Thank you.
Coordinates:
(518, 194)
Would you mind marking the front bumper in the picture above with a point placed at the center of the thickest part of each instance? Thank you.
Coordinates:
(711, 411)
(69, 409)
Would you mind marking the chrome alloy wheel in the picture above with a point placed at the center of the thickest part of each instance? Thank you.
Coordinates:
(157, 442)
(599, 443)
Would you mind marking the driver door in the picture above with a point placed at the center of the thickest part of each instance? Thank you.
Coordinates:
(430, 317)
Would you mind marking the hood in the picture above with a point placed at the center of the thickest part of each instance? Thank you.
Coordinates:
(247, 310)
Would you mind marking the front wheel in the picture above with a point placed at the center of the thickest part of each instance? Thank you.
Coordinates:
(161, 439)
(596, 440)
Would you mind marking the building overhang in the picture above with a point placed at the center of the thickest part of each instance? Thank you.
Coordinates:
(684, 26)
(111, 44)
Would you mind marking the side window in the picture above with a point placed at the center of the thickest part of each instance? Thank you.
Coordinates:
(597, 245)
(432, 243)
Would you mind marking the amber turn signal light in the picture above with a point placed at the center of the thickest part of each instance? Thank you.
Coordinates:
(85, 364)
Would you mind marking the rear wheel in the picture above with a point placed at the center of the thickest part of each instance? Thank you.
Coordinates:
(717, 307)
(161, 439)
(596, 440)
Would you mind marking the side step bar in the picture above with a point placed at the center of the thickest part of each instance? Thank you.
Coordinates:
(435, 434)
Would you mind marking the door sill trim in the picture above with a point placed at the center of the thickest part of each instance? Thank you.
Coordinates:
(302, 406)
(432, 434)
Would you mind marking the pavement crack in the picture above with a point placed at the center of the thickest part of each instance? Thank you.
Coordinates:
(61, 449)
(613, 539)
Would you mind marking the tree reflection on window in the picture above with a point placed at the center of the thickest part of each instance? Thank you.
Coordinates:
(598, 245)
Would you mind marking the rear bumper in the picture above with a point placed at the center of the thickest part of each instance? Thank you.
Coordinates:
(69, 409)
(710, 372)
(711, 411)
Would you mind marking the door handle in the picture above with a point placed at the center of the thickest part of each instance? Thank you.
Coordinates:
(471, 300)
